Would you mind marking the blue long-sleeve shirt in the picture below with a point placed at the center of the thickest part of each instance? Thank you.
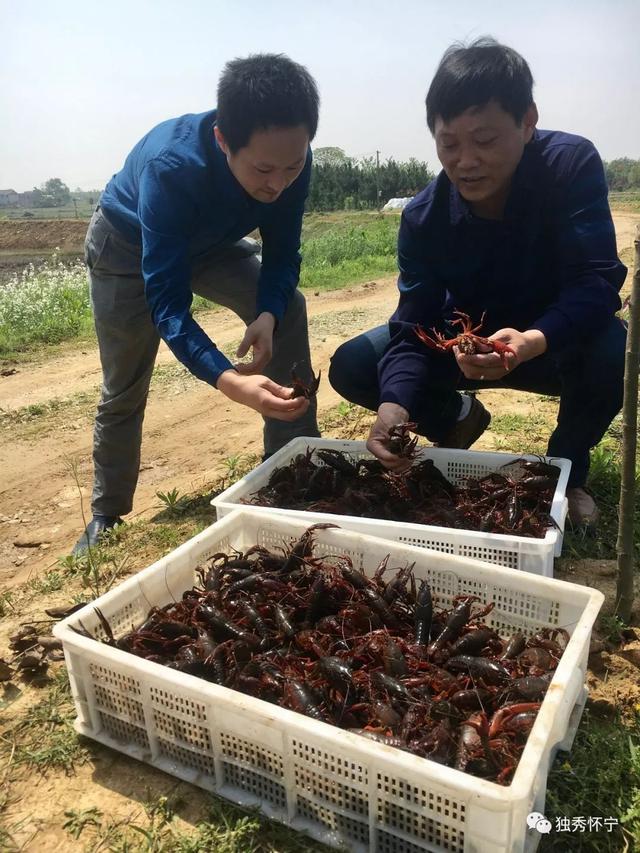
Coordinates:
(550, 264)
(177, 198)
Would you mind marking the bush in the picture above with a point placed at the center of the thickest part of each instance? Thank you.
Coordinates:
(45, 304)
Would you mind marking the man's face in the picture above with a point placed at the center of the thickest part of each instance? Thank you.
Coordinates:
(271, 160)
(480, 150)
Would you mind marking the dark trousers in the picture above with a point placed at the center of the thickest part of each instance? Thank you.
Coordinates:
(587, 377)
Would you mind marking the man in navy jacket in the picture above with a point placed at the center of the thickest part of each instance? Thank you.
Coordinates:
(171, 223)
(517, 227)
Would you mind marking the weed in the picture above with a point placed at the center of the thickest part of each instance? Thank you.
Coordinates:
(611, 628)
(239, 464)
(78, 819)
(49, 582)
(99, 569)
(173, 501)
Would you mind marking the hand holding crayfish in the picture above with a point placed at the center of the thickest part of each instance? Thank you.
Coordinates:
(493, 365)
(485, 359)
(381, 437)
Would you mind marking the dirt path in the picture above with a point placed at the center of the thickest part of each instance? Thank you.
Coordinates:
(189, 430)
(39, 502)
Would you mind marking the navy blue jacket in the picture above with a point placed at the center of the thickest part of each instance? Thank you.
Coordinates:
(550, 264)
(177, 197)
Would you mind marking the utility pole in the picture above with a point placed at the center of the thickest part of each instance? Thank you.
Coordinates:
(75, 207)
(377, 179)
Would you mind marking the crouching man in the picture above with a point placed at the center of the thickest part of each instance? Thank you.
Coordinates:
(517, 228)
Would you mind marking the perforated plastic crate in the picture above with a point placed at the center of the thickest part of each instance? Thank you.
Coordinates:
(517, 552)
(338, 786)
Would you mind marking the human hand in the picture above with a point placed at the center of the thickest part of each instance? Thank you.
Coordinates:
(259, 336)
(389, 414)
(488, 366)
(262, 394)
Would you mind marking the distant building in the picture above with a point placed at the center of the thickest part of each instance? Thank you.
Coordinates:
(8, 198)
(27, 199)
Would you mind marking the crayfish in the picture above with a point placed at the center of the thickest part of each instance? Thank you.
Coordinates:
(301, 388)
(467, 341)
(400, 442)
(303, 628)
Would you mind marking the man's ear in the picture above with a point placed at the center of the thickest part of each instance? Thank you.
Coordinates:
(221, 140)
(529, 121)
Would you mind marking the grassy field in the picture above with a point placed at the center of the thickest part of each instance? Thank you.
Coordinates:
(628, 200)
(49, 303)
(81, 210)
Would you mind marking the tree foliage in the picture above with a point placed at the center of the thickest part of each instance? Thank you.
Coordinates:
(53, 193)
(623, 174)
(339, 182)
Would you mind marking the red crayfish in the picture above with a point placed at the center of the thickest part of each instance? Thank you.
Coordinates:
(467, 341)
(300, 388)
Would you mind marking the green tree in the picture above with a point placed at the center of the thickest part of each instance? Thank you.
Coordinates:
(329, 156)
(53, 193)
(623, 174)
(339, 181)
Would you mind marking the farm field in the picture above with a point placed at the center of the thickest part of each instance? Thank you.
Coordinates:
(59, 793)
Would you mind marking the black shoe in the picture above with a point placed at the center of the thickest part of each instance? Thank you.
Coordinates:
(469, 429)
(94, 530)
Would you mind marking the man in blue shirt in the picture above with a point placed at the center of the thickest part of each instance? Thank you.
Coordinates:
(516, 227)
(171, 223)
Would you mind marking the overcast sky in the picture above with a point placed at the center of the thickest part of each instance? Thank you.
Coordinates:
(81, 81)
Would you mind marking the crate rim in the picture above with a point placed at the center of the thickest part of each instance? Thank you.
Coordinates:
(227, 498)
(501, 796)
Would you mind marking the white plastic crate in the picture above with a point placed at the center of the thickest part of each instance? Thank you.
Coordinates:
(338, 786)
(517, 552)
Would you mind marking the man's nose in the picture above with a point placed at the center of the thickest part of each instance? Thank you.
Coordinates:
(277, 183)
(468, 157)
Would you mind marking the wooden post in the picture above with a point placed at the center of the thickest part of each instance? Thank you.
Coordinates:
(624, 545)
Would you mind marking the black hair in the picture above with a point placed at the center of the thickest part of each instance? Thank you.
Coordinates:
(262, 91)
(471, 76)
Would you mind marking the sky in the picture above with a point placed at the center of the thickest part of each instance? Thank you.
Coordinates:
(81, 81)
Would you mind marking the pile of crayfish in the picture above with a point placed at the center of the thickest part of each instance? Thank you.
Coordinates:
(516, 500)
(379, 658)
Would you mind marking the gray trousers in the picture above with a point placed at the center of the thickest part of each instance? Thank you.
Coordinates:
(128, 343)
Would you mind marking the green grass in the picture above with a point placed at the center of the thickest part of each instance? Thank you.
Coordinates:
(600, 777)
(44, 305)
(49, 303)
(83, 210)
(628, 200)
(516, 431)
(604, 481)
(45, 739)
(339, 255)
(222, 827)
